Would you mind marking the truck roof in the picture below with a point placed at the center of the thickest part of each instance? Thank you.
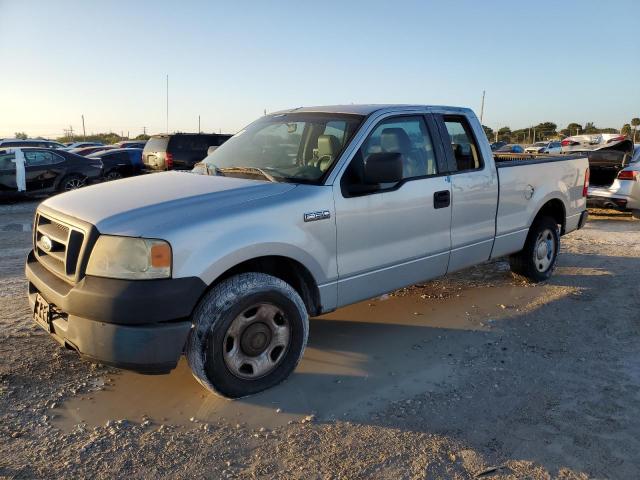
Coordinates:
(367, 109)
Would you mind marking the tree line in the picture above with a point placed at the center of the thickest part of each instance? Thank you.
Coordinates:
(550, 131)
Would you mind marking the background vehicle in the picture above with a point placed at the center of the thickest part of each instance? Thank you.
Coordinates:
(119, 162)
(48, 170)
(496, 145)
(84, 151)
(130, 144)
(590, 142)
(179, 151)
(306, 211)
(83, 144)
(615, 177)
(544, 147)
(32, 142)
(511, 148)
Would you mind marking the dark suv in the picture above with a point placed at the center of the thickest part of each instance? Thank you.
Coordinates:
(179, 151)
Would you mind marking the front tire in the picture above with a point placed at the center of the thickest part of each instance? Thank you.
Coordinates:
(249, 333)
(537, 260)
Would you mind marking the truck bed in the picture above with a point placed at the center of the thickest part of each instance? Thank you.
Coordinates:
(525, 184)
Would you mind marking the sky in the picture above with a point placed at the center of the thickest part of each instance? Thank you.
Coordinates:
(561, 61)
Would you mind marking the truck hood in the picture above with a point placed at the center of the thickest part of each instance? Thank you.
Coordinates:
(137, 205)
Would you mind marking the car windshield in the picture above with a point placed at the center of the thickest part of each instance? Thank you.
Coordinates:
(292, 147)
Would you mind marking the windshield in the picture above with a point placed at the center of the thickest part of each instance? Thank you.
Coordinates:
(293, 147)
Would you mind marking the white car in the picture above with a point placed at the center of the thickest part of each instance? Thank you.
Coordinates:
(616, 186)
(544, 147)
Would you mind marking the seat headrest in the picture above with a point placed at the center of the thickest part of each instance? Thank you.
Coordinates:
(395, 140)
(328, 145)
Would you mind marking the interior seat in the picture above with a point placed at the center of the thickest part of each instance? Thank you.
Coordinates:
(414, 161)
(328, 148)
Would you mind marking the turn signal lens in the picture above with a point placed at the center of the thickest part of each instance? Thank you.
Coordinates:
(161, 255)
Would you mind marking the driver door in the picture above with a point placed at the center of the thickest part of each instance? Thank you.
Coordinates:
(396, 235)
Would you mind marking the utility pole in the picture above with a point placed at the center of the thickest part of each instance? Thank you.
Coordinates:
(84, 132)
(71, 133)
(199, 131)
(482, 108)
(144, 131)
(534, 135)
(167, 103)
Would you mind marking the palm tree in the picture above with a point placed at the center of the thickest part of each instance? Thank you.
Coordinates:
(635, 122)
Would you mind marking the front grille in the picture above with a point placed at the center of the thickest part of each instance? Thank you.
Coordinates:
(60, 254)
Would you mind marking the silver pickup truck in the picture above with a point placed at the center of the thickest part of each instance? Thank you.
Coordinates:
(300, 213)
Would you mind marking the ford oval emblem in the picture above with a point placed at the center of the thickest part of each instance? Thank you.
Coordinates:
(45, 243)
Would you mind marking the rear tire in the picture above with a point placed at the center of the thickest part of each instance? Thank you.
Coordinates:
(249, 333)
(113, 175)
(537, 260)
(72, 182)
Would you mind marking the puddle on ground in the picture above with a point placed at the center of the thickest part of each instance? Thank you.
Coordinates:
(358, 359)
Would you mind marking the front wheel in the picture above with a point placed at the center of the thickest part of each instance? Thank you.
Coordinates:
(249, 333)
(536, 261)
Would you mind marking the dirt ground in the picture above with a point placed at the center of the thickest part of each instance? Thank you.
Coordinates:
(474, 376)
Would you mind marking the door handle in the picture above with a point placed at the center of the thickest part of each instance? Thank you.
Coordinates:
(442, 199)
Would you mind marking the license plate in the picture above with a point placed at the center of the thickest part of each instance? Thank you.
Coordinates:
(42, 313)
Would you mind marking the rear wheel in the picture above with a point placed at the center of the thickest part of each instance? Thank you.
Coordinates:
(536, 261)
(72, 182)
(249, 334)
(113, 175)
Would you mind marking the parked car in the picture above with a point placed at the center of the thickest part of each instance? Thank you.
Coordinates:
(120, 162)
(48, 170)
(179, 151)
(306, 211)
(32, 142)
(591, 142)
(84, 151)
(496, 145)
(130, 144)
(615, 177)
(510, 148)
(544, 147)
(73, 145)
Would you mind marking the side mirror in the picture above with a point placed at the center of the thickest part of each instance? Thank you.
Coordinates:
(383, 167)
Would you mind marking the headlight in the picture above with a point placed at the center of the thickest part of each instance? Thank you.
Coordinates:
(130, 258)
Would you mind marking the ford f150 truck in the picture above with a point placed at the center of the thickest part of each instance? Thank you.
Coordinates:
(300, 213)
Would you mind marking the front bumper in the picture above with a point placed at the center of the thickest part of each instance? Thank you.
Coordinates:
(135, 325)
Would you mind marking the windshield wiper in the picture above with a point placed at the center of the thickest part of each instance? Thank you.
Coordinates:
(266, 175)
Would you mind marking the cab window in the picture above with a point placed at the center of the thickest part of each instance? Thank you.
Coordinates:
(463, 144)
(407, 136)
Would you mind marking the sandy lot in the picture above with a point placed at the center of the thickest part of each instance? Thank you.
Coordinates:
(474, 376)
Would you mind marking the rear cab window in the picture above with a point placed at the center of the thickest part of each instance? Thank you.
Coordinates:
(462, 145)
